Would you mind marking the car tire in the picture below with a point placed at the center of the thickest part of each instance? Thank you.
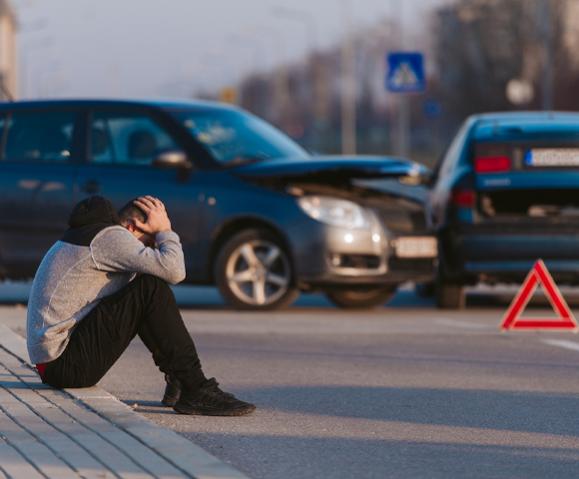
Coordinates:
(450, 296)
(253, 271)
(361, 298)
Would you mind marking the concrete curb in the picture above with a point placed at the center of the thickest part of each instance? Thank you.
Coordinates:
(190, 459)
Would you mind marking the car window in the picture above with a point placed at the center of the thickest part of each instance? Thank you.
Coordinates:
(39, 136)
(128, 139)
(452, 154)
(235, 137)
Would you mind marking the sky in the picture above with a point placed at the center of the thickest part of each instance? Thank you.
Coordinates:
(147, 48)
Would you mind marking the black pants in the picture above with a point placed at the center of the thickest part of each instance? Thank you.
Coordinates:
(146, 307)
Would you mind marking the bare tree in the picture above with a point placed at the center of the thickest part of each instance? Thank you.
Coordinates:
(484, 44)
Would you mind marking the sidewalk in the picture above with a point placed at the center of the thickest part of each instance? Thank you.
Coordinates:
(47, 433)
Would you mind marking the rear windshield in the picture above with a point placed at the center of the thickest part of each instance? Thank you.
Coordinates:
(519, 130)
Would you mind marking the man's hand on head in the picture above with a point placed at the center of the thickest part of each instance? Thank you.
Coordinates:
(157, 218)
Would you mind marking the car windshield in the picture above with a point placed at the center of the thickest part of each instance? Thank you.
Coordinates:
(235, 137)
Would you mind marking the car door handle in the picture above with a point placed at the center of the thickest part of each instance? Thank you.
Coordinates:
(91, 187)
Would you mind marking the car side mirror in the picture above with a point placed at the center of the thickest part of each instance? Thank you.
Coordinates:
(172, 159)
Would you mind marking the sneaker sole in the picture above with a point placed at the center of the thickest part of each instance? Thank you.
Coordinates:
(242, 411)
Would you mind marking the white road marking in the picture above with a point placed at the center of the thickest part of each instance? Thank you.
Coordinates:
(462, 324)
(562, 343)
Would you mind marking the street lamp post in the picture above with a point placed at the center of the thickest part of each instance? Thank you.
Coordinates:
(546, 29)
(254, 49)
(403, 136)
(318, 86)
(348, 85)
(281, 81)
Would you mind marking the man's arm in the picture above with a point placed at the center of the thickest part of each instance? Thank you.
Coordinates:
(117, 249)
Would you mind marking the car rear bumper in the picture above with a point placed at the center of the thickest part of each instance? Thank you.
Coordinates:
(502, 257)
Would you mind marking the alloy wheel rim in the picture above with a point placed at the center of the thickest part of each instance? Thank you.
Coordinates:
(258, 272)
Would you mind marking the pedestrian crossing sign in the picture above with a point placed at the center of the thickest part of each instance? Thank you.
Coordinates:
(405, 72)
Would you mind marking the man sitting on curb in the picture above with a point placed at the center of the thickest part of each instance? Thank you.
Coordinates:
(103, 283)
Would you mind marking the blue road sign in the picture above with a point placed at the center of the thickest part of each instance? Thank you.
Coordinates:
(405, 72)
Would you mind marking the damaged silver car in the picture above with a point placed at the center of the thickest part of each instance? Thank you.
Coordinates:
(257, 215)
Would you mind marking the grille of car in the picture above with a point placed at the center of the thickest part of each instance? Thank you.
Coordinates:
(357, 261)
(411, 264)
(401, 220)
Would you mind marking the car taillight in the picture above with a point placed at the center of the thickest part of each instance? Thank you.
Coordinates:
(463, 198)
(492, 164)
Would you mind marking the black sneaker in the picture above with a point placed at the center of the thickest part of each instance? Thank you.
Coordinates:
(209, 400)
(172, 391)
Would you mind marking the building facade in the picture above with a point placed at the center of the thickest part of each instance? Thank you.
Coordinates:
(8, 53)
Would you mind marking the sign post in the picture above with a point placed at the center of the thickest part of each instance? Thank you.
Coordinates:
(405, 75)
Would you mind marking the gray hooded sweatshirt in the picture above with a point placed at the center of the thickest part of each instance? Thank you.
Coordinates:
(73, 278)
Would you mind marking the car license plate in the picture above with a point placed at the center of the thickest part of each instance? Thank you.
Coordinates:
(552, 157)
(416, 247)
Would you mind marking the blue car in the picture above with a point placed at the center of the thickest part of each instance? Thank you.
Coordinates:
(257, 215)
(505, 194)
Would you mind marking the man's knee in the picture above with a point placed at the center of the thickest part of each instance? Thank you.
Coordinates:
(150, 280)
(153, 284)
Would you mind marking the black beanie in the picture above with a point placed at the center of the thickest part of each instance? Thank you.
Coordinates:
(93, 210)
(88, 218)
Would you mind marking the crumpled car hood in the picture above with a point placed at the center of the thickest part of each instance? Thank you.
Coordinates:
(333, 167)
(394, 188)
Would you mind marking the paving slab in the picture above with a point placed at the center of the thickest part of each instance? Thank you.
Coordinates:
(88, 433)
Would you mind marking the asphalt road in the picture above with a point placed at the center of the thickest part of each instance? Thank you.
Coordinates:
(402, 392)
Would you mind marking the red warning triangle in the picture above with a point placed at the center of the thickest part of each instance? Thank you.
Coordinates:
(564, 320)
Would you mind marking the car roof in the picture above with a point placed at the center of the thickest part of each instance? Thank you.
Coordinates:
(507, 125)
(201, 105)
(526, 115)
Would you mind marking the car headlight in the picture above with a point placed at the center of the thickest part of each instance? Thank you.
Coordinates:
(335, 211)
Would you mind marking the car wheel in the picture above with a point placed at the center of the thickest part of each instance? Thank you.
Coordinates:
(253, 271)
(360, 298)
(450, 296)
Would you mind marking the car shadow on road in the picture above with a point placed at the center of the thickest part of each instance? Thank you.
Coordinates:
(413, 433)
(522, 411)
